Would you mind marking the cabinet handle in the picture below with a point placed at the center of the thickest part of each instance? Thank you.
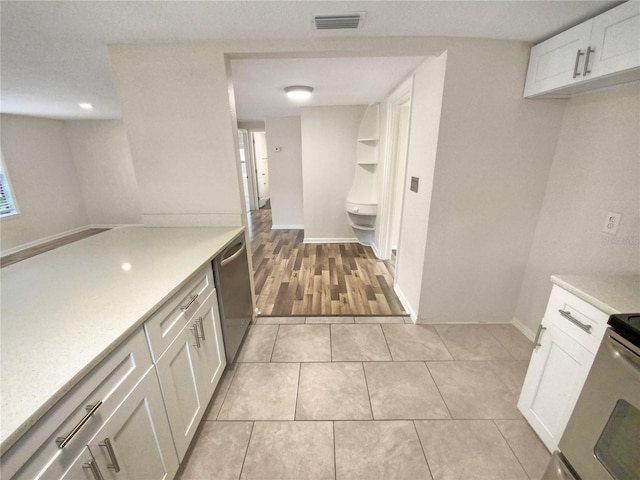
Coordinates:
(93, 468)
(112, 455)
(586, 62)
(538, 335)
(91, 409)
(578, 323)
(575, 67)
(199, 321)
(192, 298)
(194, 329)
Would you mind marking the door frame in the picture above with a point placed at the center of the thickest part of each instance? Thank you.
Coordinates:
(401, 95)
(251, 169)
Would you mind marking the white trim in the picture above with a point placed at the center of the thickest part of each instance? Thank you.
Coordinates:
(376, 252)
(402, 93)
(287, 227)
(330, 240)
(193, 220)
(405, 303)
(523, 329)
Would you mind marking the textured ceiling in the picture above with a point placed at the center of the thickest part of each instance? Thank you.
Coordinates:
(54, 53)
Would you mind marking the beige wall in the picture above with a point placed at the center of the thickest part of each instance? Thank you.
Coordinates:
(44, 179)
(493, 160)
(175, 101)
(428, 85)
(329, 141)
(596, 169)
(100, 151)
(285, 171)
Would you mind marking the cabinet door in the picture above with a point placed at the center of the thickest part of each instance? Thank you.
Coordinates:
(136, 439)
(556, 374)
(180, 373)
(211, 351)
(552, 63)
(615, 39)
(84, 468)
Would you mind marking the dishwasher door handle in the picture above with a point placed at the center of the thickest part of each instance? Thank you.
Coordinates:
(226, 261)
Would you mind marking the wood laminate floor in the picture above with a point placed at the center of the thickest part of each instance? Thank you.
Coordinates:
(294, 278)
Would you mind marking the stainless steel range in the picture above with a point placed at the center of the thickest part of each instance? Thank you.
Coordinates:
(602, 438)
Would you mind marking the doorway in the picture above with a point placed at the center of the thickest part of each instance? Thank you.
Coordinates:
(394, 175)
(248, 169)
(262, 168)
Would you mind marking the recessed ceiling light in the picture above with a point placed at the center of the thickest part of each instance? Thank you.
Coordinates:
(85, 106)
(298, 92)
(126, 266)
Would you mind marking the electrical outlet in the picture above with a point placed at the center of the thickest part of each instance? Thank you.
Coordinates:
(611, 223)
(278, 149)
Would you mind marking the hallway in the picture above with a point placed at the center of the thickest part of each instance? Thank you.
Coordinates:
(293, 278)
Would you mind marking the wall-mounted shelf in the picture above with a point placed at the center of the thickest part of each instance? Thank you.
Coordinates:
(367, 228)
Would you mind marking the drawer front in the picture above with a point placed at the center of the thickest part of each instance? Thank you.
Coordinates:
(580, 320)
(169, 320)
(110, 382)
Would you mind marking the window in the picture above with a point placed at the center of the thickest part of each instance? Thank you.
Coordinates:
(7, 204)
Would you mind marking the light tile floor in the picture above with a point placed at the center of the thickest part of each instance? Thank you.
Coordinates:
(369, 398)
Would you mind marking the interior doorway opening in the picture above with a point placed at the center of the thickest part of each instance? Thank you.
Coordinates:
(254, 164)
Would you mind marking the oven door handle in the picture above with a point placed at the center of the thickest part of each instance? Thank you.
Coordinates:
(624, 355)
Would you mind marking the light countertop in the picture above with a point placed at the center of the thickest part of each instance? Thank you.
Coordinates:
(611, 294)
(65, 310)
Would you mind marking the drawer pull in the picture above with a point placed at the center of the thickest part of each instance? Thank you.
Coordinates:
(586, 62)
(578, 323)
(91, 409)
(536, 342)
(112, 455)
(93, 468)
(192, 298)
(194, 329)
(199, 321)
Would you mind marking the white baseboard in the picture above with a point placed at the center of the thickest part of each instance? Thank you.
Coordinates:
(330, 240)
(376, 252)
(40, 241)
(287, 227)
(193, 220)
(523, 329)
(405, 303)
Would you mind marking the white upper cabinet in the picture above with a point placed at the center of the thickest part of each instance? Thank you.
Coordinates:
(600, 52)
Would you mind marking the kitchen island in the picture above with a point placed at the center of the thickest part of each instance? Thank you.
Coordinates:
(65, 311)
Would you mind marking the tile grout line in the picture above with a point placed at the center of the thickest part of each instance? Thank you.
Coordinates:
(273, 348)
(438, 389)
(295, 412)
(387, 343)
(233, 377)
(244, 459)
(366, 383)
(424, 454)
(510, 448)
(335, 459)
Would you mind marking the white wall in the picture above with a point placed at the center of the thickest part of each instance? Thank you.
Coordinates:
(100, 151)
(329, 141)
(285, 171)
(428, 85)
(251, 125)
(44, 180)
(175, 100)
(596, 169)
(493, 160)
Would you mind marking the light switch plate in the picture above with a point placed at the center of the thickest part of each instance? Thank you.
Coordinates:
(278, 149)
(414, 184)
(611, 223)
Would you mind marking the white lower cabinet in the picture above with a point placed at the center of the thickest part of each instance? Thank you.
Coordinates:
(135, 442)
(567, 341)
(558, 369)
(84, 468)
(189, 371)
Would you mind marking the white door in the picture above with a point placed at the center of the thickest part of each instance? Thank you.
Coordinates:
(180, 371)
(248, 170)
(262, 167)
(615, 39)
(136, 440)
(558, 61)
(556, 374)
(401, 146)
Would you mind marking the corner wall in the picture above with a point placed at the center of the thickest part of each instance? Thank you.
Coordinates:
(329, 142)
(285, 171)
(596, 169)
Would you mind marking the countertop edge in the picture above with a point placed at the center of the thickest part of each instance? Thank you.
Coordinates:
(41, 411)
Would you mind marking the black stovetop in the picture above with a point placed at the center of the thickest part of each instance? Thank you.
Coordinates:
(627, 325)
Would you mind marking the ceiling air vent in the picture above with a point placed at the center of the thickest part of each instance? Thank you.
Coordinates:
(338, 21)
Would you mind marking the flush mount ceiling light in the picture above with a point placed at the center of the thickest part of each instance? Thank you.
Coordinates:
(298, 92)
(85, 106)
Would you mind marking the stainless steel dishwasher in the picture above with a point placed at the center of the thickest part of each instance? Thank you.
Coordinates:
(233, 287)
